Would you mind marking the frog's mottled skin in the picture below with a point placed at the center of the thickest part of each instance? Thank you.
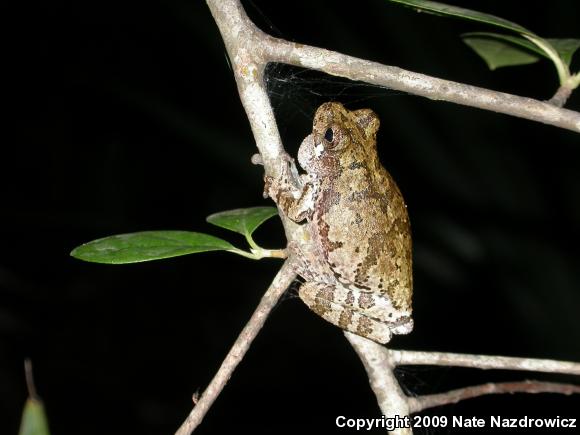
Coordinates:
(355, 251)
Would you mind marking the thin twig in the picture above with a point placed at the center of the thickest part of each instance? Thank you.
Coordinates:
(281, 282)
(418, 404)
(29, 375)
(408, 357)
(248, 61)
(379, 367)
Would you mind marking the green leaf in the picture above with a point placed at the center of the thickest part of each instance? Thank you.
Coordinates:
(147, 246)
(242, 220)
(565, 48)
(497, 54)
(499, 50)
(465, 14)
(34, 421)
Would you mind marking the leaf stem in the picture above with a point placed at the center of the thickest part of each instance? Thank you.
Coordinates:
(251, 242)
(561, 67)
(575, 80)
(250, 255)
(272, 253)
(259, 253)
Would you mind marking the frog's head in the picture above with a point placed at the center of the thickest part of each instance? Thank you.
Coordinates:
(340, 139)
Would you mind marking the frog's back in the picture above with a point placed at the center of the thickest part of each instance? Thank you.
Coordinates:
(364, 233)
(395, 262)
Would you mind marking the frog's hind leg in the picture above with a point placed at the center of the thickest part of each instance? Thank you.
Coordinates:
(325, 300)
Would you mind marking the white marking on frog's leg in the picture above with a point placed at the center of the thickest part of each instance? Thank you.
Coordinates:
(404, 327)
(319, 297)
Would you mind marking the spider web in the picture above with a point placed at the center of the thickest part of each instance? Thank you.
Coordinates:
(295, 94)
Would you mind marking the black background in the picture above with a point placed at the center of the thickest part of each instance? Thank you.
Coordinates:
(123, 116)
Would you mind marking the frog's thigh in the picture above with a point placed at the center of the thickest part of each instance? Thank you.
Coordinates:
(370, 304)
(325, 300)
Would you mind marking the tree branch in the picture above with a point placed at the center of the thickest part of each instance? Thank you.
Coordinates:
(486, 362)
(418, 404)
(380, 369)
(426, 86)
(281, 282)
(238, 30)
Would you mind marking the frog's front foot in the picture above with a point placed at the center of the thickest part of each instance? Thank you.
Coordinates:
(274, 187)
(268, 182)
(281, 184)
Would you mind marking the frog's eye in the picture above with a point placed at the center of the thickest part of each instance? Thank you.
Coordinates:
(328, 135)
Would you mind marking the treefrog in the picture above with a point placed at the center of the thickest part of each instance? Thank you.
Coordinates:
(354, 249)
